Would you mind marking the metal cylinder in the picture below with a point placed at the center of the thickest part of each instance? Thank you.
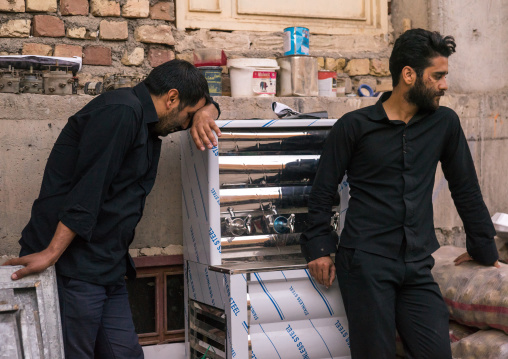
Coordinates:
(267, 170)
(277, 142)
(298, 76)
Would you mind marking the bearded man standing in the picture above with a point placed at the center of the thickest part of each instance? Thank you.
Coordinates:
(390, 152)
(99, 172)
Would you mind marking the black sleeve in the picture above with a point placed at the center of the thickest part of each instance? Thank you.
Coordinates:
(105, 137)
(319, 239)
(216, 106)
(459, 171)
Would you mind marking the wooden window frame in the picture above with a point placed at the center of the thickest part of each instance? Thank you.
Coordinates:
(160, 267)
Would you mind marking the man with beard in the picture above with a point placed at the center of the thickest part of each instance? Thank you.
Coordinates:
(390, 152)
(101, 168)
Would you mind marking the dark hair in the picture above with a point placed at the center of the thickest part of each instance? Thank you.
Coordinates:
(182, 76)
(416, 48)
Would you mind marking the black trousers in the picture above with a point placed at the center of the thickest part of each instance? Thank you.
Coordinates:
(382, 294)
(96, 321)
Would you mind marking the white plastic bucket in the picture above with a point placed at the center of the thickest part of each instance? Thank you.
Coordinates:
(253, 77)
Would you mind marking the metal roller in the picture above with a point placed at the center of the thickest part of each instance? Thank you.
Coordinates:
(282, 197)
(266, 170)
(268, 240)
(259, 141)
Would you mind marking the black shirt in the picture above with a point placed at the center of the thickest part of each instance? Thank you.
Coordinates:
(391, 168)
(99, 172)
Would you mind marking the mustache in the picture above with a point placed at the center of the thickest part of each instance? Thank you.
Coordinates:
(440, 93)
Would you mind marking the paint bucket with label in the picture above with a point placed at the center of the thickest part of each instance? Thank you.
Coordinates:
(296, 41)
(213, 75)
(253, 77)
(327, 83)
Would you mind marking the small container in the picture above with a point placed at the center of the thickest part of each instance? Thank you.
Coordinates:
(209, 57)
(327, 83)
(252, 77)
(298, 76)
(213, 75)
(296, 41)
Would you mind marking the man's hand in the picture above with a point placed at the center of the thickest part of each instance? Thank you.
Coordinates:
(203, 123)
(34, 263)
(465, 257)
(323, 270)
(37, 262)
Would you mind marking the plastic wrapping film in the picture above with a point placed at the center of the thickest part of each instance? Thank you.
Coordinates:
(476, 295)
(484, 344)
(291, 316)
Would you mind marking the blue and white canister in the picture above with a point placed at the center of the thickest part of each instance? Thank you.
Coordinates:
(296, 41)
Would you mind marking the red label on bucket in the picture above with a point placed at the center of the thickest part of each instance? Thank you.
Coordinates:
(264, 74)
(263, 82)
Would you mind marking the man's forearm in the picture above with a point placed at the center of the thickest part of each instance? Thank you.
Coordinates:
(38, 262)
(61, 240)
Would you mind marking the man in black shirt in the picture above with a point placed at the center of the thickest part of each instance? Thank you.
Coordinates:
(101, 168)
(389, 153)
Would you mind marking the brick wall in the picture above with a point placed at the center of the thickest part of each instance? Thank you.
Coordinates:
(133, 36)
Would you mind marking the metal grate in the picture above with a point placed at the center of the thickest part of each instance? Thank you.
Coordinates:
(207, 331)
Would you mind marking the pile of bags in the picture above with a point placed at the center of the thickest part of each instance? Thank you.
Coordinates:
(476, 296)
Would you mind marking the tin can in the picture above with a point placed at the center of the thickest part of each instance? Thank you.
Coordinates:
(296, 41)
(213, 76)
(327, 83)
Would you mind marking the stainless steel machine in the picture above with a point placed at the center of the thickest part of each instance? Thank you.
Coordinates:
(248, 292)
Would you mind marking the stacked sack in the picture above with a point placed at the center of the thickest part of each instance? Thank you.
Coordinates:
(476, 296)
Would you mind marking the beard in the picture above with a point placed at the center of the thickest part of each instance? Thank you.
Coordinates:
(167, 124)
(425, 98)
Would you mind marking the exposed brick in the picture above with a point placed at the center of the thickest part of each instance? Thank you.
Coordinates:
(91, 35)
(330, 64)
(47, 25)
(76, 32)
(157, 57)
(380, 67)
(384, 84)
(187, 56)
(361, 80)
(15, 28)
(74, 7)
(163, 10)
(68, 50)
(321, 63)
(97, 55)
(113, 30)
(36, 49)
(104, 8)
(341, 63)
(136, 8)
(357, 67)
(154, 34)
(134, 58)
(41, 5)
(153, 251)
(12, 5)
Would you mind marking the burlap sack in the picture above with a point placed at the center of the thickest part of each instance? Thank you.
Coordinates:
(476, 295)
(484, 344)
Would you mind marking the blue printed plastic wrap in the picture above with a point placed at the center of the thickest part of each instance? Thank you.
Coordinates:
(296, 41)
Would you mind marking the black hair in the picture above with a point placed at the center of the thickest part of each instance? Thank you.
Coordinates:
(416, 48)
(182, 76)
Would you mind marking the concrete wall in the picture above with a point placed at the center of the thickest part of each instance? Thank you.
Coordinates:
(481, 34)
(29, 125)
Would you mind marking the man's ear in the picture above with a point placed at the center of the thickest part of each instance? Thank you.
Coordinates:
(173, 98)
(408, 75)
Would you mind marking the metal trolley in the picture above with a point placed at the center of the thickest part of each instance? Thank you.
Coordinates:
(248, 292)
